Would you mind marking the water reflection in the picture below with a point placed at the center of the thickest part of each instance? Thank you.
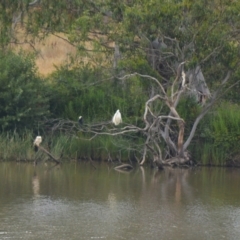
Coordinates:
(171, 185)
(35, 185)
(75, 201)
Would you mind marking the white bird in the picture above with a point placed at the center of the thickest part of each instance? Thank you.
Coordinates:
(37, 142)
(80, 121)
(117, 118)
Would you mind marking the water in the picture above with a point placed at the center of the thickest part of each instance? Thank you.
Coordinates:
(77, 201)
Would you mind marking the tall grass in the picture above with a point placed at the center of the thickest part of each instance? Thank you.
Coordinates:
(19, 147)
(16, 147)
(219, 135)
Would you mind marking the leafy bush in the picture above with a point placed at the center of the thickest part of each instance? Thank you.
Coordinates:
(74, 93)
(87, 92)
(23, 100)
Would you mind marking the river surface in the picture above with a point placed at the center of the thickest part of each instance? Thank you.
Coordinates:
(77, 201)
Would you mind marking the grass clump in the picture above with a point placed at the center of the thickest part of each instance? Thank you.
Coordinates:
(218, 136)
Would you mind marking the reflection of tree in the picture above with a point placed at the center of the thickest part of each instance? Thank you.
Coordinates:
(35, 185)
(168, 186)
(177, 178)
(111, 200)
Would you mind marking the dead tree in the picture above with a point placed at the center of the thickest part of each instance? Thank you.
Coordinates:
(164, 132)
(158, 127)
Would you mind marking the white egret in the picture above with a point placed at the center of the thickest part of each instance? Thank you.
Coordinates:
(80, 121)
(183, 78)
(37, 142)
(117, 118)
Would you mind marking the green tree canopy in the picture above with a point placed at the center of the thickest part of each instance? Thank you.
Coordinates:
(200, 32)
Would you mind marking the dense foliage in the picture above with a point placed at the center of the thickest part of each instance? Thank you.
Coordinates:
(89, 93)
(23, 96)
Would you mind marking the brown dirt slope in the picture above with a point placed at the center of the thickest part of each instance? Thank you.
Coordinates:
(53, 51)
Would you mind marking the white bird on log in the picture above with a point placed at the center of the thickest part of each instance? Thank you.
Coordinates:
(37, 142)
(117, 118)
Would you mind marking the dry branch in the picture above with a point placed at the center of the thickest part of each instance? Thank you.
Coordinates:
(124, 167)
(175, 161)
(49, 154)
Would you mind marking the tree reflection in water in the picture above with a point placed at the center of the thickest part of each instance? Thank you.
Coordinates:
(35, 186)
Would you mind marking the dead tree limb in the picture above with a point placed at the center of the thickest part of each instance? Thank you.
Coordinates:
(176, 161)
(124, 167)
(49, 154)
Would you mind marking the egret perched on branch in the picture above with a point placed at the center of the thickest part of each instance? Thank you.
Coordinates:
(117, 118)
(37, 142)
(80, 121)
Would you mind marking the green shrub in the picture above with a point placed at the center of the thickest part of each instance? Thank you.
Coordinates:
(23, 100)
(87, 92)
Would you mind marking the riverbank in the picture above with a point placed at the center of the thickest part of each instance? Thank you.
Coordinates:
(16, 147)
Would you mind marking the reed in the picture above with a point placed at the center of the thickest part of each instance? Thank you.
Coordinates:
(19, 147)
(79, 147)
(219, 135)
(14, 146)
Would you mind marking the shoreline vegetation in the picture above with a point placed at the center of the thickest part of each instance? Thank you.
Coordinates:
(15, 147)
(215, 142)
(174, 78)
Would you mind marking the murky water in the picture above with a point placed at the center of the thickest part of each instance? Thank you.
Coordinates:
(77, 201)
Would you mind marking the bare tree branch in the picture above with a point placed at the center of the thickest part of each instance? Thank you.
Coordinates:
(145, 76)
(205, 110)
(33, 2)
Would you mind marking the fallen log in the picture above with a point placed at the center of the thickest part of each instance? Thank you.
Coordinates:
(48, 153)
(175, 160)
(124, 167)
(123, 171)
